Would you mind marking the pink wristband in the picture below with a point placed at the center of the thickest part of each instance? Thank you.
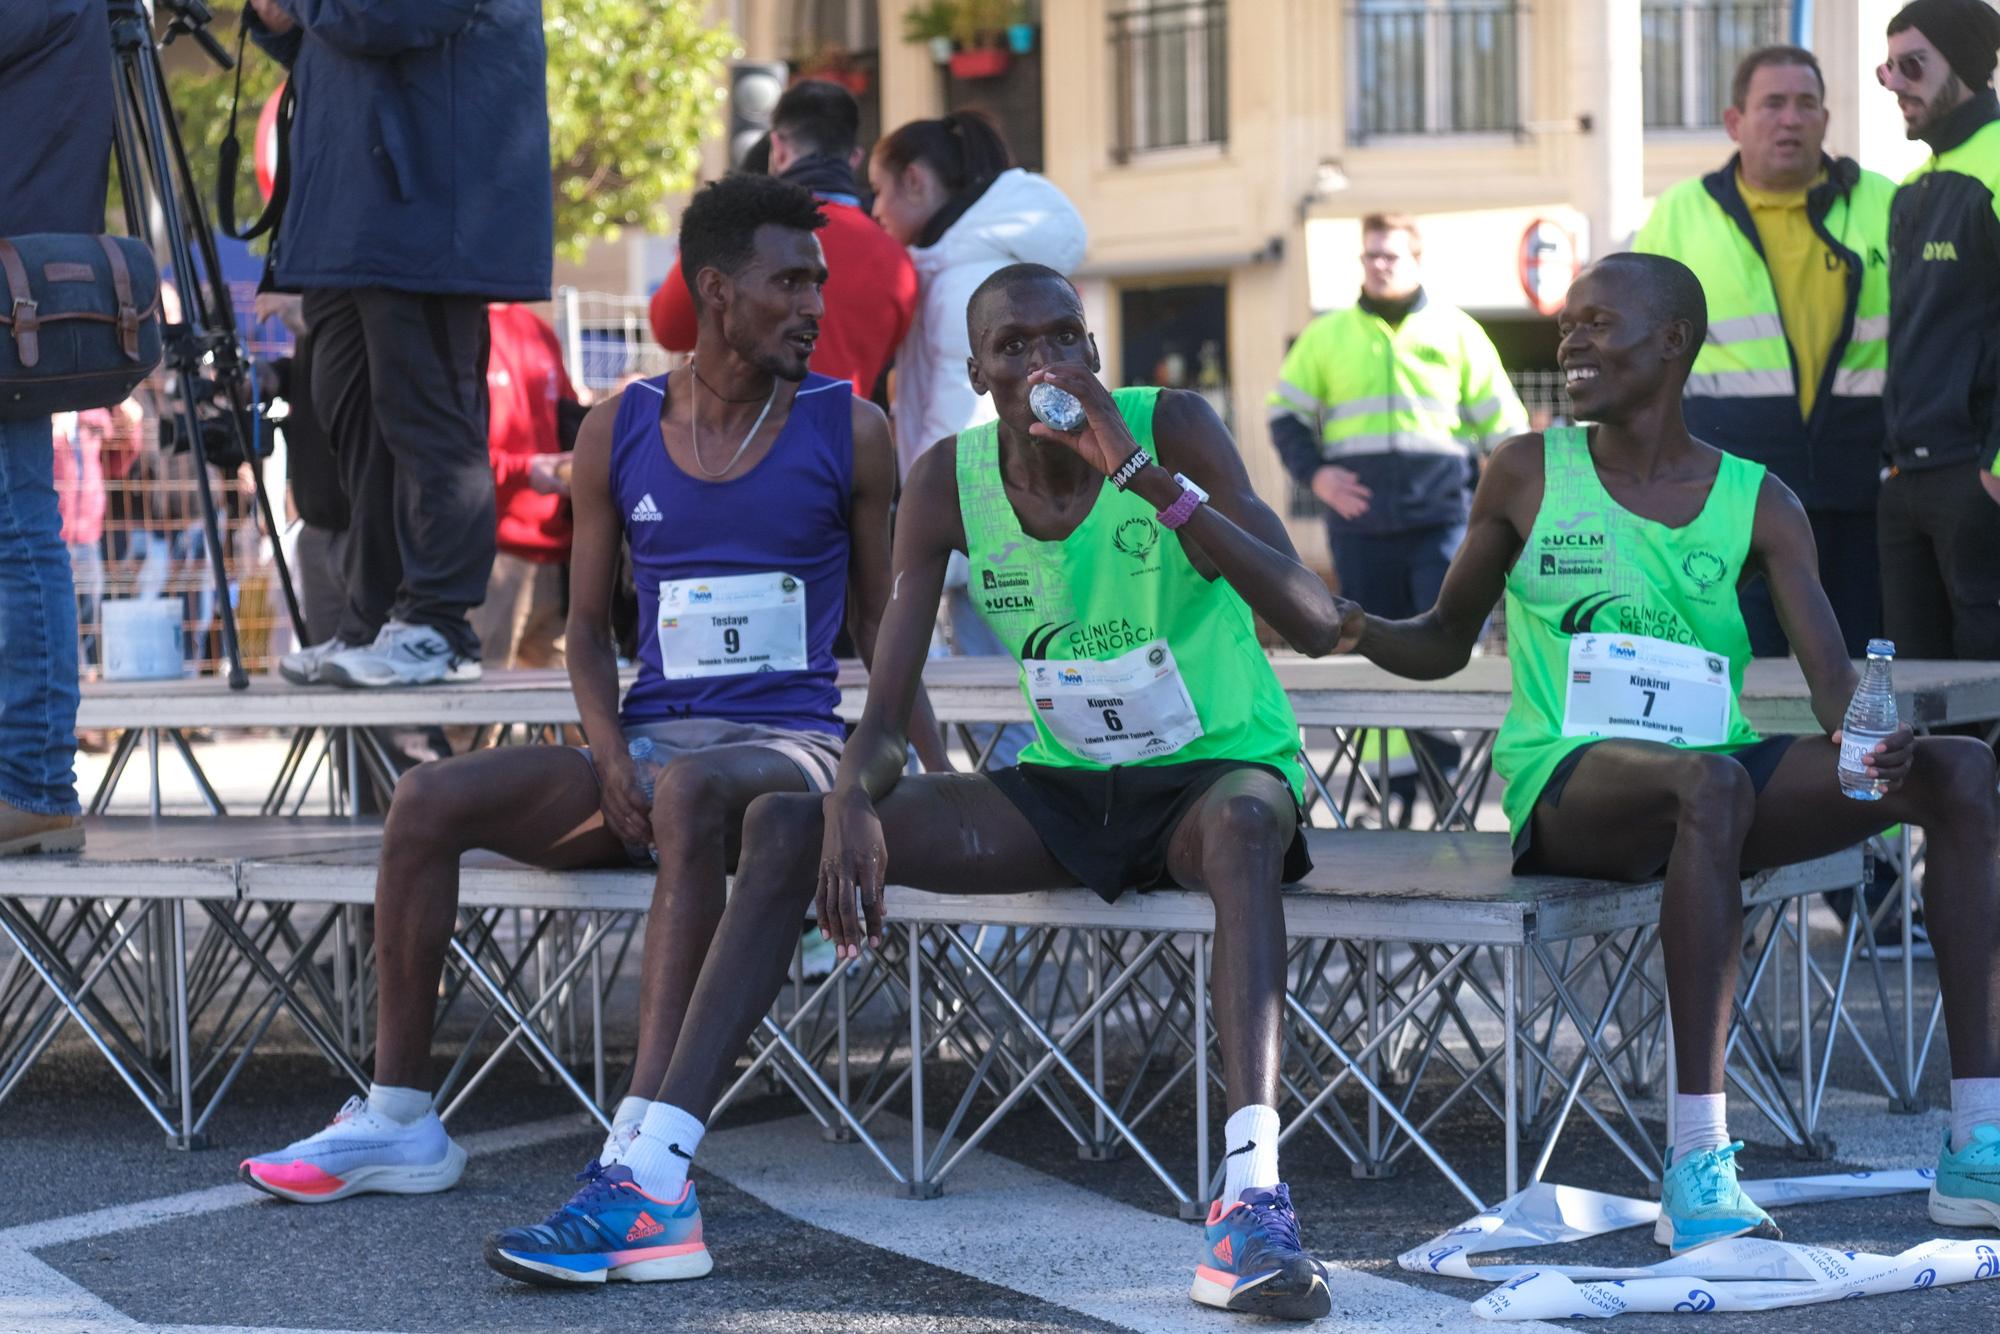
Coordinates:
(1178, 513)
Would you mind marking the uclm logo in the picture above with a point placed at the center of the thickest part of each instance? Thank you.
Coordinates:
(1623, 649)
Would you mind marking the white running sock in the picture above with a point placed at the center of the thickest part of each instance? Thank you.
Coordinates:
(1251, 1141)
(403, 1106)
(659, 1158)
(624, 1127)
(1974, 1102)
(1698, 1123)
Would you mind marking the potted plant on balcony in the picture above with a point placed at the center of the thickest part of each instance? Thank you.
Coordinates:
(1021, 32)
(835, 64)
(979, 27)
(931, 24)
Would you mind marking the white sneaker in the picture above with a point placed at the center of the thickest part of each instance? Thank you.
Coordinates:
(302, 666)
(361, 1151)
(402, 655)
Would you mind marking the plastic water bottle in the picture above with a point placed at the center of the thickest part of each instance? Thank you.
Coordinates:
(648, 766)
(1870, 718)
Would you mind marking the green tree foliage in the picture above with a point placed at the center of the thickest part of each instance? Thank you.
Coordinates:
(635, 86)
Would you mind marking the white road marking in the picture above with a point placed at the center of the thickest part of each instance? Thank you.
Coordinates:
(1018, 1228)
(36, 1296)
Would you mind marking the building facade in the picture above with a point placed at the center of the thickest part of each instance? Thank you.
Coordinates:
(1224, 151)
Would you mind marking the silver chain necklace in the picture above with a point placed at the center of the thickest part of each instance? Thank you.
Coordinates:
(694, 427)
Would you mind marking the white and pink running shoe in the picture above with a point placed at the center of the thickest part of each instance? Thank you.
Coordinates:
(360, 1151)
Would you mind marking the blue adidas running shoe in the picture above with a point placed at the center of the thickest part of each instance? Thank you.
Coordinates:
(1700, 1202)
(609, 1230)
(1255, 1263)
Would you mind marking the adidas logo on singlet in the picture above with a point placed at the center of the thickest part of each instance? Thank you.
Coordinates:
(646, 511)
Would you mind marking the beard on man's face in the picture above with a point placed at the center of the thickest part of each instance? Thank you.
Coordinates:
(1949, 94)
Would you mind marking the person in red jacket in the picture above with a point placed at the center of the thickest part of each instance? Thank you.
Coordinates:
(521, 621)
(871, 288)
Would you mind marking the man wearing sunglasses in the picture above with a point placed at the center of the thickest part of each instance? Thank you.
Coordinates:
(1940, 533)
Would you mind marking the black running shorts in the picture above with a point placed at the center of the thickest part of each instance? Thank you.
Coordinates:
(1109, 827)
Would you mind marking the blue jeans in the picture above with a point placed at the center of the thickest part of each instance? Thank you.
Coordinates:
(38, 692)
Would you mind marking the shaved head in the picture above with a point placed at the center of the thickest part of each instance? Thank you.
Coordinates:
(1006, 281)
(1667, 287)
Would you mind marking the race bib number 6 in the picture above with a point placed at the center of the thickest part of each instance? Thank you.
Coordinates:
(732, 625)
(1131, 707)
(1646, 689)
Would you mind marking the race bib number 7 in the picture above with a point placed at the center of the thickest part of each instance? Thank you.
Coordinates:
(732, 625)
(1131, 707)
(1646, 689)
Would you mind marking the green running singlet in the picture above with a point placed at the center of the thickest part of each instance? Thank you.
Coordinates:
(1128, 655)
(1618, 625)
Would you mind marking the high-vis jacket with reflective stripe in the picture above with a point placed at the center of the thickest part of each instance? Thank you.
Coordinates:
(1945, 326)
(1404, 407)
(1743, 394)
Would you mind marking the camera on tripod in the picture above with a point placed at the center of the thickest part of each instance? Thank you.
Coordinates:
(211, 410)
(226, 429)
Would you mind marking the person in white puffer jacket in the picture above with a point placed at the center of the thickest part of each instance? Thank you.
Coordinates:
(948, 190)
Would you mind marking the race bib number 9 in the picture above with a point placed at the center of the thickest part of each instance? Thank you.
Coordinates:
(732, 625)
(1647, 689)
(1132, 707)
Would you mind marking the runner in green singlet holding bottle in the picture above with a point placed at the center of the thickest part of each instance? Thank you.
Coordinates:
(1619, 549)
(1123, 565)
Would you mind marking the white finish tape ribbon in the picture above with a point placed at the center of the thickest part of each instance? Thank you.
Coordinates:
(1745, 1274)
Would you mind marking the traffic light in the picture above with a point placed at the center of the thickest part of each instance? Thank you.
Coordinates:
(754, 89)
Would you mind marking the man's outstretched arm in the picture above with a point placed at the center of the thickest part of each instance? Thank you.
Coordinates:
(927, 530)
(1781, 544)
(1440, 641)
(854, 863)
(868, 575)
(1235, 535)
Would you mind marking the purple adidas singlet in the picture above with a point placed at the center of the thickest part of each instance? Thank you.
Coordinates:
(752, 571)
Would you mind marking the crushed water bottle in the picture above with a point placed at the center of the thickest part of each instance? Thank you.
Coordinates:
(647, 766)
(1870, 719)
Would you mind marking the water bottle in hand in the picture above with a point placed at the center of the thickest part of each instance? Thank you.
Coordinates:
(647, 766)
(1870, 719)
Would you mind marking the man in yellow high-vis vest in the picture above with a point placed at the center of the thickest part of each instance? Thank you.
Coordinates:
(1381, 410)
(1791, 247)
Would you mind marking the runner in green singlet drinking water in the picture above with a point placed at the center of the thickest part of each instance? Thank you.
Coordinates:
(1619, 549)
(1122, 566)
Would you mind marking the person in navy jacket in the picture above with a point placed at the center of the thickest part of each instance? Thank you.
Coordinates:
(420, 191)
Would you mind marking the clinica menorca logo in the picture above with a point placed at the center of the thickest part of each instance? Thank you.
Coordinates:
(1577, 619)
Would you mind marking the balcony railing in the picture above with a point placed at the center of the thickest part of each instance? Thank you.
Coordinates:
(1170, 65)
(1435, 67)
(1690, 52)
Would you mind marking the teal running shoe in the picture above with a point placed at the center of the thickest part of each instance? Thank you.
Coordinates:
(1967, 1190)
(1700, 1202)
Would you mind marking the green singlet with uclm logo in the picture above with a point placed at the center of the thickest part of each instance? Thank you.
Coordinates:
(1620, 626)
(1128, 655)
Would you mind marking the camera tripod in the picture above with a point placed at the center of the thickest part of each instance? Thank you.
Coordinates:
(201, 349)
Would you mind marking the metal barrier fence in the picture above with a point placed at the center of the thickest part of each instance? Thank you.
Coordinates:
(607, 340)
(132, 523)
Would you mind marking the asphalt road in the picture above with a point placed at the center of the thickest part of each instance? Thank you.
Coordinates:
(103, 1229)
